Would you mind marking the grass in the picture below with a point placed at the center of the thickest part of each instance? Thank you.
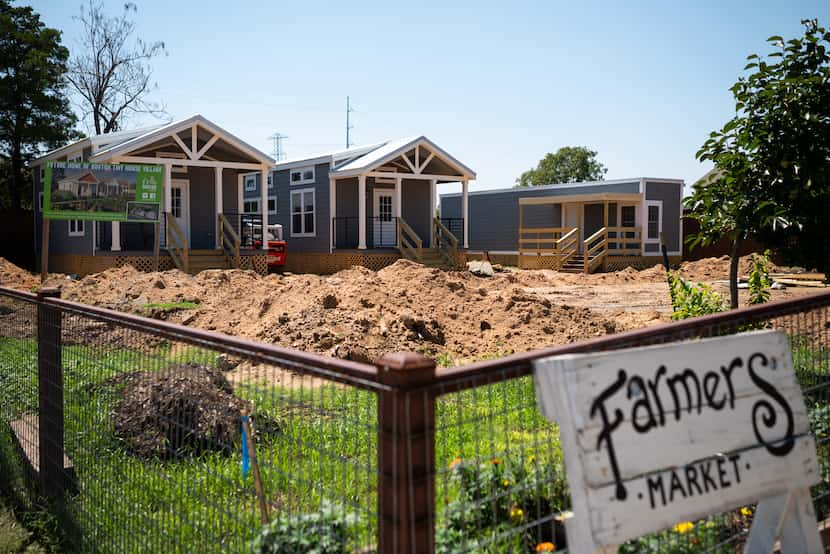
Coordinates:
(170, 306)
(322, 448)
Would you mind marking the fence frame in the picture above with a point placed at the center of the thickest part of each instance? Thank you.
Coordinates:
(407, 386)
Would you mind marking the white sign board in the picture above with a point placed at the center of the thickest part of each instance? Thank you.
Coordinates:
(658, 435)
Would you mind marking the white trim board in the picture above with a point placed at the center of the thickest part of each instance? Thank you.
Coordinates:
(569, 185)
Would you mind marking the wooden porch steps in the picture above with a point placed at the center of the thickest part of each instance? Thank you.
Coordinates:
(201, 260)
(575, 264)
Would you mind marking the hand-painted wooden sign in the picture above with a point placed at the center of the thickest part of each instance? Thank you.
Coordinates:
(658, 435)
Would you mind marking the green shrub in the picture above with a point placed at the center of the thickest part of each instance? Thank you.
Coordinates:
(690, 300)
(325, 531)
(759, 281)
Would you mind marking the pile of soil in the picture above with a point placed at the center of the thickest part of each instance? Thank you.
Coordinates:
(710, 269)
(16, 277)
(179, 411)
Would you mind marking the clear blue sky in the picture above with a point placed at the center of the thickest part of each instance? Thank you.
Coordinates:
(497, 84)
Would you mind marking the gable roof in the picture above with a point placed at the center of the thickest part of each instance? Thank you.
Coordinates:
(153, 135)
(94, 142)
(392, 149)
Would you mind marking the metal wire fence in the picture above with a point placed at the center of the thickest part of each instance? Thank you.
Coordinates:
(132, 428)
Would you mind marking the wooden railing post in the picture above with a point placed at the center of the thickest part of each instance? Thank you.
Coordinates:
(50, 395)
(406, 454)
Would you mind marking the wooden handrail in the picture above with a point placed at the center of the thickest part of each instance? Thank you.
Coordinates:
(408, 239)
(587, 263)
(229, 240)
(179, 252)
(447, 242)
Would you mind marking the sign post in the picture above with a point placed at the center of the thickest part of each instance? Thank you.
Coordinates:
(659, 435)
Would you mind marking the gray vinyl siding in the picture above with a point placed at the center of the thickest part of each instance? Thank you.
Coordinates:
(594, 217)
(202, 207)
(494, 216)
(416, 209)
(322, 223)
(672, 196)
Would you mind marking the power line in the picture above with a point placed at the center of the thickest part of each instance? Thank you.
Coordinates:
(277, 151)
(349, 126)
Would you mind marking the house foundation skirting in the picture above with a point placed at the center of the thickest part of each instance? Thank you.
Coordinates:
(323, 263)
(81, 265)
(611, 263)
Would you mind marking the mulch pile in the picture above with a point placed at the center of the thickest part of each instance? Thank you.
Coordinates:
(179, 411)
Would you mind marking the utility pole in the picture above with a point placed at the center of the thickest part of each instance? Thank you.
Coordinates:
(277, 152)
(349, 126)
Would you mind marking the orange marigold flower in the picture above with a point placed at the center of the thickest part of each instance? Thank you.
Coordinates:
(455, 462)
(545, 547)
(495, 461)
(684, 527)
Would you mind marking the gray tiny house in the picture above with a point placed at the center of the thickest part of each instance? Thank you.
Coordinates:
(622, 221)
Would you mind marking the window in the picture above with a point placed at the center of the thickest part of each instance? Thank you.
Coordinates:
(76, 228)
(270, 184)
(628, 216)
(42, 173)
(302, 176)
(250, 183)
(40, 201)
(176, 201)
(302, 213)
(250, 206)
(653, 220)
(272, 204)
(385, 208)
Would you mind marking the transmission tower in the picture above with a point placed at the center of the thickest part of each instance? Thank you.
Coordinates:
(349, 126)
(277, 151)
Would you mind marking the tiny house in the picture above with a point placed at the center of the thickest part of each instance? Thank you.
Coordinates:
(576, 226)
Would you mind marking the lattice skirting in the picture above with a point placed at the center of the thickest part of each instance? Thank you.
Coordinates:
(322, 263)
(617, 263)
(84, 265)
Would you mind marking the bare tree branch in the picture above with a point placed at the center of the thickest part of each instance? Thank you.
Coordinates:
(111, 74)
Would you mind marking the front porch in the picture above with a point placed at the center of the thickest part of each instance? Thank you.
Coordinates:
(388, 199)
(583, 233)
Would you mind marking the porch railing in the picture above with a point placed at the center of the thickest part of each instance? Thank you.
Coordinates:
(177, 244)
(446, 241)
(454, 225)
(248, 227)
(624, 241)
(560, 243)
(409, 243)
(229, 240)
(594, 249)
(381, 232)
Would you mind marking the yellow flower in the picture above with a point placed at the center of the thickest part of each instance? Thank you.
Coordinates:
(455, 462)
(531, 459)
(684, 527)
(545, 547)
(506, 482)
(516, 514)
(746, 512)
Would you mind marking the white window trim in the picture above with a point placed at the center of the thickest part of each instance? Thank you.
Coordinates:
(270, 181)
(250, 183)
(301, 192)
(274, 198)
(251, 201)
(76, 232)
(40, 201)
(303, 181)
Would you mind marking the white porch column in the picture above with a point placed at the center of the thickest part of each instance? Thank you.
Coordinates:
(116, 236)
(464, 211)
(218, 185)
(361, 212)
(398, 207)
(168, 176)
(432, 204)
(332, 211)
(240, 195)
(263, 189)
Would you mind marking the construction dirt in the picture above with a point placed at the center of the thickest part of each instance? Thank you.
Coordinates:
(360, 314)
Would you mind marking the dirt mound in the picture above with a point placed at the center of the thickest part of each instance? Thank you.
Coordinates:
(181, 410)
(710, 269)
(16, 277)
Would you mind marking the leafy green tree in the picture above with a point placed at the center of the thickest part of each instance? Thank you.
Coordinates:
(569, 164)
(34, 111)
(772, 177)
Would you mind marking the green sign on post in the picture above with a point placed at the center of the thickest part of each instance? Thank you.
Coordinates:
(102, 192)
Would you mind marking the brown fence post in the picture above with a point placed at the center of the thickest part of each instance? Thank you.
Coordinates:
(50, 395)
(406, 454)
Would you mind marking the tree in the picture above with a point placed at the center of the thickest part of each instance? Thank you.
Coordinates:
(34, 111)
(772, 160)
(569, 164)
(112, 74)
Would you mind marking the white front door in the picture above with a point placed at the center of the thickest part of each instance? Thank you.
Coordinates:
(180, 205)
(385, 224)
(571, 217)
